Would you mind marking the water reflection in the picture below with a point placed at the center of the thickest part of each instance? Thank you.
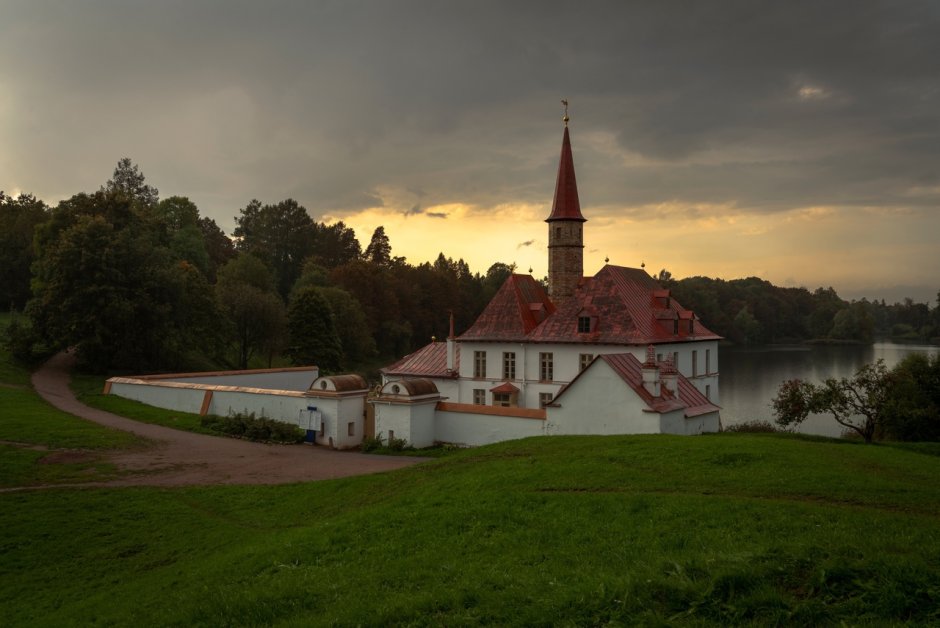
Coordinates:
(750, 376)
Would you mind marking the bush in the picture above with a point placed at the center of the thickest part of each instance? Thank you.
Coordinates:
(371, 443)
(250, 427)
(759, 427)
(397, 444)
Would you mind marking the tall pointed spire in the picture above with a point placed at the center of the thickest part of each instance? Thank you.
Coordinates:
(566, 205)
(565, 227)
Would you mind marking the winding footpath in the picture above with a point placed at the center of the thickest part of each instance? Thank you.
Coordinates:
(178, 458)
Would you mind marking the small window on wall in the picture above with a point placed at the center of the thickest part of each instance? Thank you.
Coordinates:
(509, 365)
(351, 429)
(584, 324)
(479, 396)
(545, 399)
(546, 367)
(479, 363)
(391, 436)
(708, 361)
(502, 399)
(675, 360)
(694, 363)
(708, 392)
(583, 360)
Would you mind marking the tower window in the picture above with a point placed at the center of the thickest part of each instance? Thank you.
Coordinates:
(557, 232)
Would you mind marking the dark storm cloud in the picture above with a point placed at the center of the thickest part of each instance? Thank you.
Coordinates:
(761, 105)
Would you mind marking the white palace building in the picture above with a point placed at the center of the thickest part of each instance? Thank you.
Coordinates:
(608, 354)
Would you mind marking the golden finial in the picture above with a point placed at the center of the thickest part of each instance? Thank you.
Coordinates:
(565, 103)
(607, 259)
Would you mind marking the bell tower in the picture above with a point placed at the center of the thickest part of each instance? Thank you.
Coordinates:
(565, 227)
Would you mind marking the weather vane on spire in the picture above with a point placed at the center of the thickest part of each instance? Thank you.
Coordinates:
(565, 103)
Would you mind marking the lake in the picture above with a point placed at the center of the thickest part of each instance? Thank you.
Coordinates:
(750, 376)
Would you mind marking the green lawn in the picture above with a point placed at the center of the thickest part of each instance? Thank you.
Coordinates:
(27, 422)
(715, 530)
(89, 390)
(756, 529)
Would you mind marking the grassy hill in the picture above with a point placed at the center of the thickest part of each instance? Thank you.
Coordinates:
(712, 530)
(721, 529)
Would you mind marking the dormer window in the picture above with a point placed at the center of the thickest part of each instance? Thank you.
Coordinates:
(675, 326)
(584, 324)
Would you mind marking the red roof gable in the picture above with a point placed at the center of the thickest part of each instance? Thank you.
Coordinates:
(630, 370)
(620, 302)
(428, 361)
(517, 308)
(566, 205)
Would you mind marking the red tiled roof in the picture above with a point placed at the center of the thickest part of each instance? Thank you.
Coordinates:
(566, 205)
(629, 369)
(619, 300)
(428, 361)
(517, 308)
(505, 387)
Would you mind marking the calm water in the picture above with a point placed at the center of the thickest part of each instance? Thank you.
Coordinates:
(750, 377)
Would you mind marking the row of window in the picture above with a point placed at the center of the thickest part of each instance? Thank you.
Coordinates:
(546, 364)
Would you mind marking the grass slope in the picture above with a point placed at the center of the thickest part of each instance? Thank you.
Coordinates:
(43, 445)
(733, 528)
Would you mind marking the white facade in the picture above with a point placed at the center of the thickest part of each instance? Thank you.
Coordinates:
(693, 359)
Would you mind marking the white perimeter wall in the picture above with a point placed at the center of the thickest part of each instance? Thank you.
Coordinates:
(462, 428)
(336, 413)
(276, 380)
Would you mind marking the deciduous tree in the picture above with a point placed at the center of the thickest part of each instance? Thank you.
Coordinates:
(281, 236)
(256, 312)
(857, 403)
(18, 220)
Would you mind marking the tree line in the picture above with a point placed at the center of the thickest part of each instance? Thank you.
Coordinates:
(136, 283)
(754, 311)
(139, 283)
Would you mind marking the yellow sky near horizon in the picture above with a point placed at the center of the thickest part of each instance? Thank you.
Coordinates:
(809, 247)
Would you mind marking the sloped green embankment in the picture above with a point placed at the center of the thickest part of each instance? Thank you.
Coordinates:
(731, 528)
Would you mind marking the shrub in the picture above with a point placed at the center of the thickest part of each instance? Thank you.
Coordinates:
(760, 427)
(249, 427)
(397, 444)
(371, 443)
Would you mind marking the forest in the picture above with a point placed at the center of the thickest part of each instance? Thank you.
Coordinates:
(141, 284)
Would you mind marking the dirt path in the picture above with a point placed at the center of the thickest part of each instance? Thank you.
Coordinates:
(183, 458)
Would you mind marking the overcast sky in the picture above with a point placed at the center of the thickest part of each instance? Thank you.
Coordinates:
(796, 141)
